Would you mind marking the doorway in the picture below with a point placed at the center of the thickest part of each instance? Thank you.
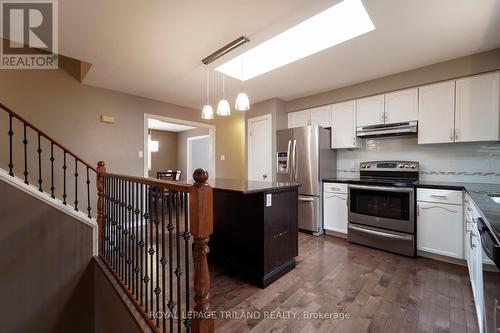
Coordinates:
(260, 148)
(198, 153)
(168, 156)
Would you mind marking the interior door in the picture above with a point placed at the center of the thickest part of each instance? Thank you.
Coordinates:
(259, 148)
(305, 148)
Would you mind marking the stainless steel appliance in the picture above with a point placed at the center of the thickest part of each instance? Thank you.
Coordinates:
(382, 206)
(491, 247)
(396, 129)
(304, 156)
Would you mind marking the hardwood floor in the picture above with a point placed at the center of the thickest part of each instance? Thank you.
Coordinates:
(380, 292)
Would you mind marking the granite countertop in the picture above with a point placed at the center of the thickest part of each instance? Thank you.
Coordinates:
(246, 186)
(341, 180)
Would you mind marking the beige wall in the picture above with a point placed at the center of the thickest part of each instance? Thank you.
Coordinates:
(46, 281)
(230, 138)
(166, 156)
(182, 148)
(469, 65)
(70, 112)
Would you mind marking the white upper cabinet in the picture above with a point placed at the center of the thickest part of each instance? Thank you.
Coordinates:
(344, 125)
(316, 116)
(477, 108)
(436, 107)
(299, 118)
(401, 106)
(321, 116)
(370, 111)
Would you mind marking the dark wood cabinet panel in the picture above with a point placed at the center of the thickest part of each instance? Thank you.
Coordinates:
(259, 241)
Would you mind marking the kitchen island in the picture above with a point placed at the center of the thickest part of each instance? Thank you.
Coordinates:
(255, 228)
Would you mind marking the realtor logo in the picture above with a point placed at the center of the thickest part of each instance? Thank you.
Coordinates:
(29, 32)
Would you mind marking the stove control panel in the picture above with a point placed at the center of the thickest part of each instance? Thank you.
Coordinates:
(390, 166)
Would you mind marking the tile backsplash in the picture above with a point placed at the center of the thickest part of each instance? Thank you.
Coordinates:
(461, 162)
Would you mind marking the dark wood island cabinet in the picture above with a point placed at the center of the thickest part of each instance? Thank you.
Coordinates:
(255, 228)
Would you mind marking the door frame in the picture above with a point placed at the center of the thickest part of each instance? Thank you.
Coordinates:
(211, 133)
(266, 117)
(188, 149)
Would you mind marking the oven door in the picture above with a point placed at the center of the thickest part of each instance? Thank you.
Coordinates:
(384, 207)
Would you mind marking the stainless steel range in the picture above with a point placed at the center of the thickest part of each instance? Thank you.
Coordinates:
(382, 206)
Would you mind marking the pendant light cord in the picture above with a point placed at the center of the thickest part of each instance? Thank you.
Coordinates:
(208, 86)
(223, 91)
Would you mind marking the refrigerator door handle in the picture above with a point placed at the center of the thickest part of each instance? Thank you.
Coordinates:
(295, 161)
(289, 159)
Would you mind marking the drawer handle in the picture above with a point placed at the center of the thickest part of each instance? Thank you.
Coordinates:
(280, 234)
(437, 196)
(334, 188)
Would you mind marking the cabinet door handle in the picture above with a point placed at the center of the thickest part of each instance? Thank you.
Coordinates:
(495, 310)
(452, 135)
(457, 134)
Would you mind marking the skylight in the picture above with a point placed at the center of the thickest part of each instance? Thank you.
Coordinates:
(346, 20)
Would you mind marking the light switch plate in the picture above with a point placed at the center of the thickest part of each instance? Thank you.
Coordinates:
(222, 157)
(140, 154)
(269, 199)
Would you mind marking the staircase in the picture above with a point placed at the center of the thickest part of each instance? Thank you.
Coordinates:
(151, 235)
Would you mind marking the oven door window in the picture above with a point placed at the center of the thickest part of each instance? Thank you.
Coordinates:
(384, 204)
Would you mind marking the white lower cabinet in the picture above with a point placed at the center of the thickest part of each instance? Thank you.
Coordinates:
(335, 207)
(440, 227)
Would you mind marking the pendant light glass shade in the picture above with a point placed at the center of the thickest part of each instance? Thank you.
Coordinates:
(207, 112)
(242, 102)
(223, 108)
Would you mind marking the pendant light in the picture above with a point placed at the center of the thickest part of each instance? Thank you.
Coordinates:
(207, 112)
(223, 109)
(242, 102)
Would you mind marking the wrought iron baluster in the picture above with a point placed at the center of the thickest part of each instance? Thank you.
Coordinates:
(25, 143)
(136, 240)
(170, 228)
(158, 207)
(141, 244)
(151, 249)
(128, 234)
(187, 236)
(131, 237)
(65, 167)
(52, 188)
(122, 221)
(76, 184)
(146, 247)
(11, 134)
(178, 270)
(88, 193)
(39, 151)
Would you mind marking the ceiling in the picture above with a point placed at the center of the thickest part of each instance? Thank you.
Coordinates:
(154, 48)
(159, 125)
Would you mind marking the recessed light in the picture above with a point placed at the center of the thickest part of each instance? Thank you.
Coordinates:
(344, 21)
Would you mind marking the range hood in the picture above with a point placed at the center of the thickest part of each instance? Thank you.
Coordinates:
(397, 129)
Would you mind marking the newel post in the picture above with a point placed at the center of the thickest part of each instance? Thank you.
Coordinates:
(101, 170)
(201, 225)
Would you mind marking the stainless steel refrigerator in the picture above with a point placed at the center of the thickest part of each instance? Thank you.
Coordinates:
(304, 156)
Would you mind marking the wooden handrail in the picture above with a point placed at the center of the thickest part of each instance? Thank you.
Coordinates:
(42, 133)
(175, 185)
